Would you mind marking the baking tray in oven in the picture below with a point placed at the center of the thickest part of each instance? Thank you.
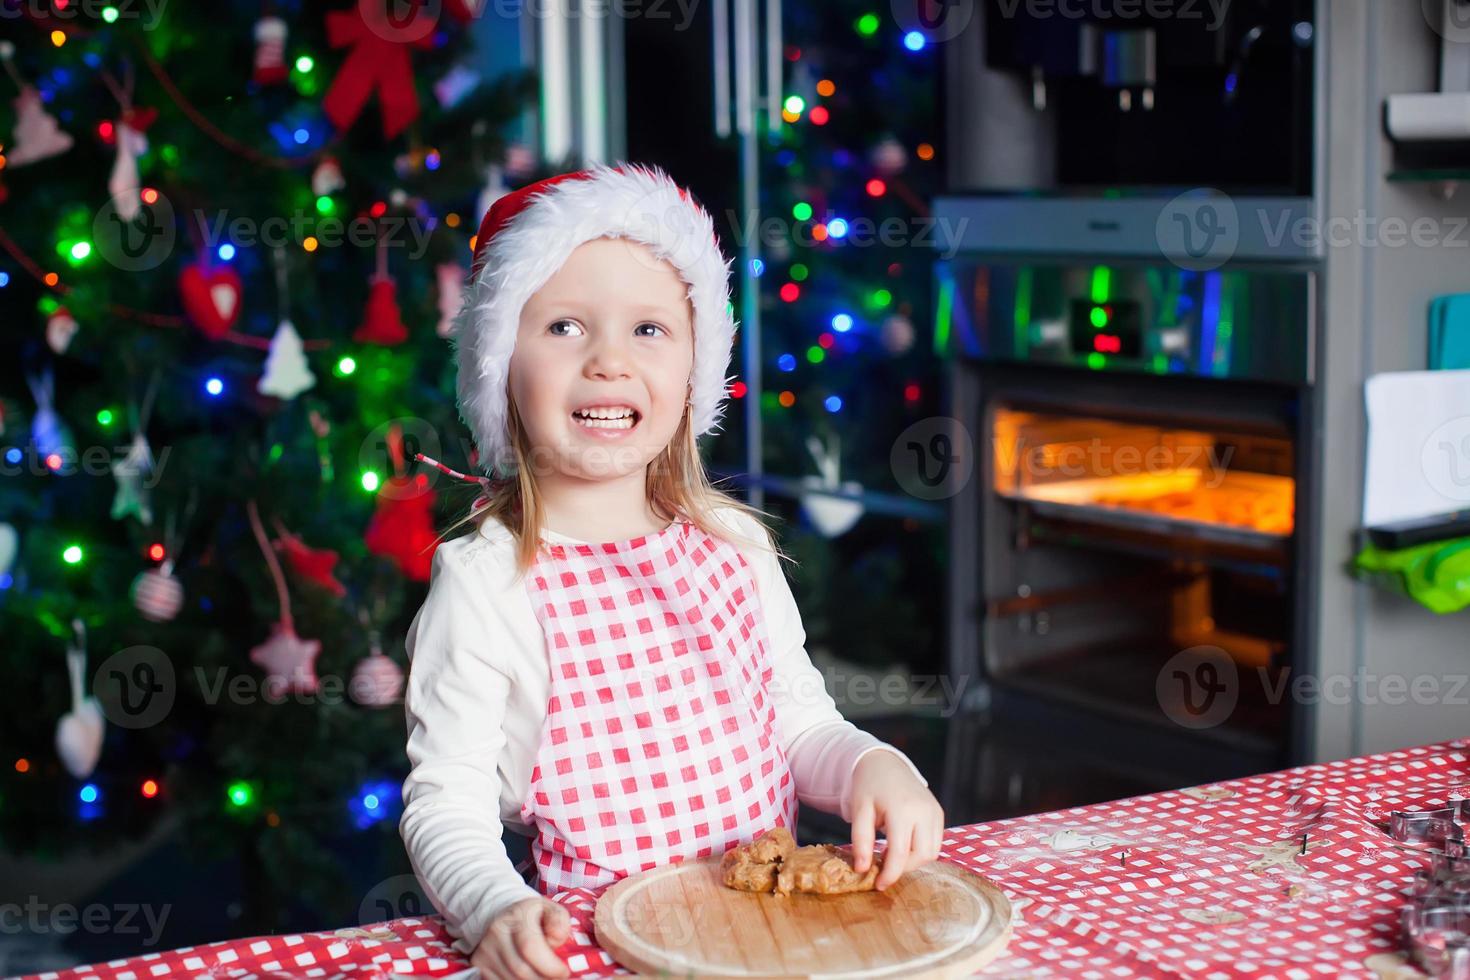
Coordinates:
(1250, 509)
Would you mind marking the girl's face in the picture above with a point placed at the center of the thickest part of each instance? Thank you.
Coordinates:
(603, 356)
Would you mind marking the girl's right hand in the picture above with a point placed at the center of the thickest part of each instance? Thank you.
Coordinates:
(521, 941)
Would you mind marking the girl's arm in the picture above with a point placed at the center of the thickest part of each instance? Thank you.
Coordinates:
(822, 748)
(455, 703)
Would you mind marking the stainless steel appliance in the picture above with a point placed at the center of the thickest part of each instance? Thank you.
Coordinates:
(1134, 550)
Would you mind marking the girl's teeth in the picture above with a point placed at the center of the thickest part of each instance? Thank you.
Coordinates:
(623, 423)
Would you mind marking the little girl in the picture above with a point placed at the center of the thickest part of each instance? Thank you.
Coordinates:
(613, 665)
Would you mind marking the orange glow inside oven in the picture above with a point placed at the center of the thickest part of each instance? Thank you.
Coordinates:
(1085, 466)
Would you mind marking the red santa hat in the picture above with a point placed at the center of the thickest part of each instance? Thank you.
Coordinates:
(529, 233)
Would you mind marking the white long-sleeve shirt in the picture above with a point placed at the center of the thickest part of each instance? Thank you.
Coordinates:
(476, 703)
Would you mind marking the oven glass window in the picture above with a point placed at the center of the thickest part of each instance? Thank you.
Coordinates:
(1150, 476)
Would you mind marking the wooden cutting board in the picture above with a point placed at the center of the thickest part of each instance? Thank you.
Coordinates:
(939, 921)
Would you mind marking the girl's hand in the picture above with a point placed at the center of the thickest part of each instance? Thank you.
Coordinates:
(886, 794)
(521, 941)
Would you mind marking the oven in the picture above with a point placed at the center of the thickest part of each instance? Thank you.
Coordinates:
(1132, 574)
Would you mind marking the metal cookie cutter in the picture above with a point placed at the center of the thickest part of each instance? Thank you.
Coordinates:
(1436, 920)
(1440, 830)
(1446, 881)
(1439, 939)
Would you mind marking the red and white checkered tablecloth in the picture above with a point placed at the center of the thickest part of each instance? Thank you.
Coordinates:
(1208, 882)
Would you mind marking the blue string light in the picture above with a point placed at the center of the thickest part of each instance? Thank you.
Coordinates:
(914, 40)
(374, 803)
(214, 386)
(226, 252)
(89, 793)
(786, 362)
(837, 228)
(842, 323)
(833, 403)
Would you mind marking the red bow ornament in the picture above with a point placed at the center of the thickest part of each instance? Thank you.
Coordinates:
(379, 61)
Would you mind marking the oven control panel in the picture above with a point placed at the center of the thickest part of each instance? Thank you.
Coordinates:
(1255, 324)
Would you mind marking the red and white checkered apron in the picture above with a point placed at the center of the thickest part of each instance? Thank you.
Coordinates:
(660, 741)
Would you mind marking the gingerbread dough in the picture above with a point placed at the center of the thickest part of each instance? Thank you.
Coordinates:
(823, 870)
(773, 863)
(752, 867)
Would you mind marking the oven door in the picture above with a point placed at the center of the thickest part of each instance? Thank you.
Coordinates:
(1141, 561)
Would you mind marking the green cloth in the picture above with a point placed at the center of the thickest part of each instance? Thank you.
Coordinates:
(1437, 574)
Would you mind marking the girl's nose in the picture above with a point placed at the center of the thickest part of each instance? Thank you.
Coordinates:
(608, 360)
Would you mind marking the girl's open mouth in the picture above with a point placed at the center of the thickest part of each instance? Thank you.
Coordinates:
(610, 419)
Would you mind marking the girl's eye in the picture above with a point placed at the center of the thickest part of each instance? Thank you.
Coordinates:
(652, 326)
(565, 323)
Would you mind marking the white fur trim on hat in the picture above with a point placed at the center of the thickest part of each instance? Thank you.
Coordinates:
(634, 202)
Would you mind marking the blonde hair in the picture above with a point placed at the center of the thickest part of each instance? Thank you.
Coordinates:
(677, 486)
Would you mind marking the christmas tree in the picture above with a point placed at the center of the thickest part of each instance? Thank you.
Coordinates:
(848, 369)
(232, 239)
